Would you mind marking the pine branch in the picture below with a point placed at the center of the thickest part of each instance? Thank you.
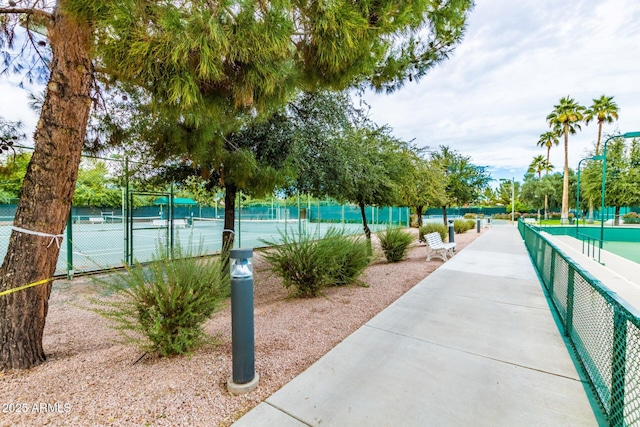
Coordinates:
(26, 11)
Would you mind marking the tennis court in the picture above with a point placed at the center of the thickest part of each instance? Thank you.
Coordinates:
(628, 250)
(98, 243)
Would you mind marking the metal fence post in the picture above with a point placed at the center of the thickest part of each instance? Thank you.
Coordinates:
(618, 369)
(171, 217)
(552, 272)
(70, 245)
(568, 324)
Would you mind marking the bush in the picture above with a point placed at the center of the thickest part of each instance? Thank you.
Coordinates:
(433, 227)
(631, 218)
(395, 243)
(462, 225)
(307, 266)
(350, 255)
(299, 263)
(161, 306)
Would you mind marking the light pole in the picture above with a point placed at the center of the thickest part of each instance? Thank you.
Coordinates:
(578, 189)
(604, 176)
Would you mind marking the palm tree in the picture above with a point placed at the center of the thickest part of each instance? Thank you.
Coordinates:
(538, 165)
(566, 117)
(604, 110)
(548, 139)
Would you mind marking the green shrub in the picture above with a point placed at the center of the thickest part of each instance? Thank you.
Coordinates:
(161, 306)
(462, 225)
(300, 264)
(350, 255)
(631, 218)
(395, 243)
(433, 227)
(307, 266)
(471, 224)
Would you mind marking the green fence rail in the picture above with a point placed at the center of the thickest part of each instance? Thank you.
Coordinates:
(603, 329)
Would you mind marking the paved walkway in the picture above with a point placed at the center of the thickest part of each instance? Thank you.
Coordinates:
(473, 344)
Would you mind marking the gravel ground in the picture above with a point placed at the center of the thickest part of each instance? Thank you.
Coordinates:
(89, 379)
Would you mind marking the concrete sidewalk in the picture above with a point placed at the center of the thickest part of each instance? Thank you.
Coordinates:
(473, 344)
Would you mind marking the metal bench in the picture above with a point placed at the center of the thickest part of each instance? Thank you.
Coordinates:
(437, 248)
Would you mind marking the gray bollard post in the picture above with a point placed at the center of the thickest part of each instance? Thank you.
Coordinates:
(244, 378)
(478, 222)
(451, 232)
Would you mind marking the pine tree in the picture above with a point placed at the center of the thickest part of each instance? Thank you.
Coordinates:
(206, 61)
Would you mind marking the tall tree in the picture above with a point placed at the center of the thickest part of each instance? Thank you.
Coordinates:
(206, 58)
(623, 172)
(538, 165)
(465, 181)
(426, 186)
(49, 182)
(566, 117)
(604, 110)
(548, 140)
(378, 166)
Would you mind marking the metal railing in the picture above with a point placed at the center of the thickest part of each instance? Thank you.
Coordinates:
(603, 329)
(591, 246)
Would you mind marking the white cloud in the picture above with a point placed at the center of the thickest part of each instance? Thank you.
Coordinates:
(14, 107)
(490, 100)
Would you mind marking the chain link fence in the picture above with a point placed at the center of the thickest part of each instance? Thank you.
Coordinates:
(603, 329)
(137, 225)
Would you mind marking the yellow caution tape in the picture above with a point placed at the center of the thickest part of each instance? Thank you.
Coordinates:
(30, 285)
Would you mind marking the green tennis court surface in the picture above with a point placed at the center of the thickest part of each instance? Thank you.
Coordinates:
(628, 250)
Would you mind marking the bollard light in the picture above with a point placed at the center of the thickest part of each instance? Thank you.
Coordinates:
(451, 232)
(241, 268)
(244, 378)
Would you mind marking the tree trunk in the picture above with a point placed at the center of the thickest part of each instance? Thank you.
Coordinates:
(365, 227)
(444, 215)
(546, 196)
(616, 218)
(564, 213)
(228, 234)
(590, 218)
(419, 215)
(546, 206)
(599, 136)
(46, 194)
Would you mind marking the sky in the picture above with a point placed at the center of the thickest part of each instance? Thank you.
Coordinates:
(490, 99)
